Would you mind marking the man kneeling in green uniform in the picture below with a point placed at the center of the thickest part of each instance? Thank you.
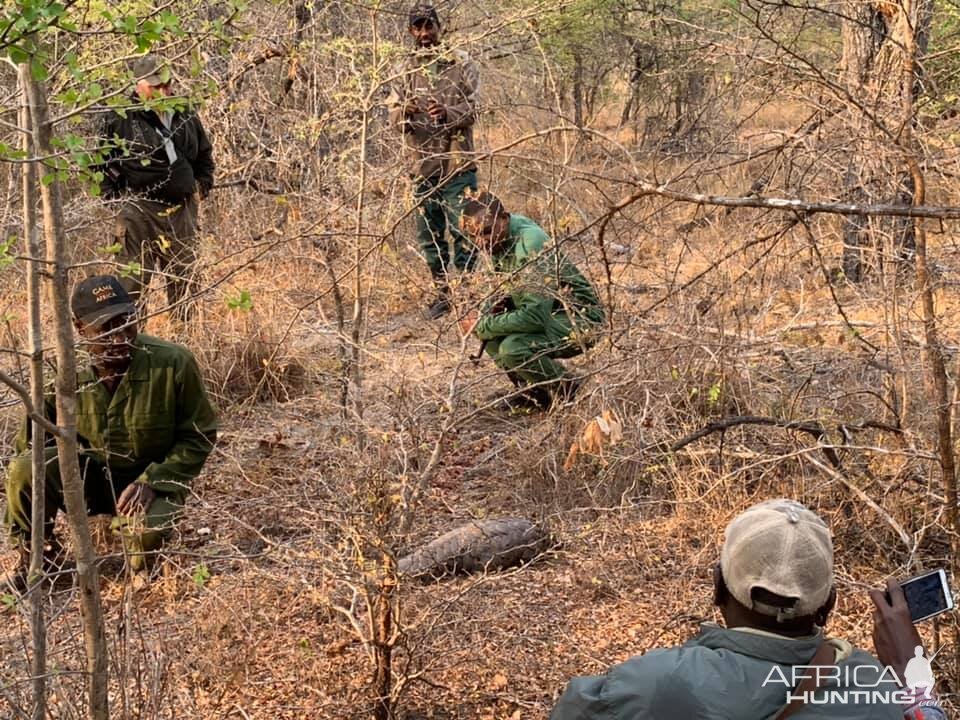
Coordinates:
(144, 425)
(550, 309)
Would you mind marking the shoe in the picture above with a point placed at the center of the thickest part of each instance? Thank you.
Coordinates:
(531, 399)
(438, 308)
(54, 563)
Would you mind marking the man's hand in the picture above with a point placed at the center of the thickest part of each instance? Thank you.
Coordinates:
(411, 107)
(204, 186)
(436, 111)
(135, 499)
(894, 635)
(469, 321)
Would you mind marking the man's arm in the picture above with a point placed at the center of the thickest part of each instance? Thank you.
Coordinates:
(203, 166)
(463, 113)
(109, 137)
(895, 639)
(24, 437)
(583, 700)
(531, 316)
(400, 107)
(196, 432)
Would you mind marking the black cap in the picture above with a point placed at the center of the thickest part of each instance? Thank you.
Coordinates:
(100, 298)
(419, 13)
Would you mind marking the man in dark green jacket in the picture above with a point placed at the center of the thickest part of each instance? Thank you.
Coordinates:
(546, 309)
(774, 587)
(144, 424)
(158, 161)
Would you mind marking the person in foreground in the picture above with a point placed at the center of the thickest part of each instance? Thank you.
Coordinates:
(774, 587)
(547, 309)
(144, 425)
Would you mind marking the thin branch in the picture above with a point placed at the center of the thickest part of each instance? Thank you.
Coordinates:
(24, 394)
(645, 189)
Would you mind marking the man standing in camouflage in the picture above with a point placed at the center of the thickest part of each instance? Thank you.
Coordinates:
(433, 104)
(144, 424)
(158, 161)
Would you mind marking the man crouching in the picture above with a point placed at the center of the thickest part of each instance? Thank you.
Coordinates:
(548, 311)
(144, 425)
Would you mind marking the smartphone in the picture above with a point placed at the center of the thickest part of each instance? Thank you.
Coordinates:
(927, 595)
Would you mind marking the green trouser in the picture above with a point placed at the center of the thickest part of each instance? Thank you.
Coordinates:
(531, 356)
(139, 534)
(160, 239)
(438, 209)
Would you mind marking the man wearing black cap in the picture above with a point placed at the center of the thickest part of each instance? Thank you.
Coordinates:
(158, 160)
(144, 424)
(433, 103)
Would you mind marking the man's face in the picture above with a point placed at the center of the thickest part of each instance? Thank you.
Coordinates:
(110, 344)
(146, 91)
(425, 33)
(486, 231)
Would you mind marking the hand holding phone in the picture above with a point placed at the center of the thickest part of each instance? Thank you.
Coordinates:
(895, 637)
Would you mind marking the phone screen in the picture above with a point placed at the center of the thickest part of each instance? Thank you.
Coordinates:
(927, 595)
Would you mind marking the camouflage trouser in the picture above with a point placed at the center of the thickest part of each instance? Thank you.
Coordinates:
(532, 357)
(160, 239)
(101, 489)
(438, 212)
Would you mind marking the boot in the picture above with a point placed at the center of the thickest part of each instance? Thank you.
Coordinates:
(441, 304)
(526, 398)
(54, 562)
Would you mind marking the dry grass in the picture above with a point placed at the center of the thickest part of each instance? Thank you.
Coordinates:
(237, 622)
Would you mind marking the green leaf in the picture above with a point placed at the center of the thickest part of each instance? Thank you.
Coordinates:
(9, 601)
(243, 302)
(713, 394)
(201, 573)
(114, 249)
(17, 55)
(38, 71)
(131, 269)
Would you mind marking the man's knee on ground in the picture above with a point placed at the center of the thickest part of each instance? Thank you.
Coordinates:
(19, 475)
(516, 350)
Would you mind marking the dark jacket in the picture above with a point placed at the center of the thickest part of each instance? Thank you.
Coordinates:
(137, 163)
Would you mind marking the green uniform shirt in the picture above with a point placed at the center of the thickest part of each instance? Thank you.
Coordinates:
(158, 427)
(541, 282)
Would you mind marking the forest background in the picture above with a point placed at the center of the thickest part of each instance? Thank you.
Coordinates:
(763, 192)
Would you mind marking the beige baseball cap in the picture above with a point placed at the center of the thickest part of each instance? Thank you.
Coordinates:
(783, 548)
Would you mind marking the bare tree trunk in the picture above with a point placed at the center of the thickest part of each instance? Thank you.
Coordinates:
(66, 386)
(383, 641)
(38, 433)
(914, 13)
(578, 90)
(873, 39)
